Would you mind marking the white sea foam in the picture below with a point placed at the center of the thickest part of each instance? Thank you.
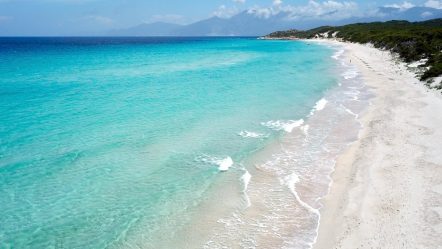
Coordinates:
(353, 93)
(350, 74)
(246, 180)
(225, 164)
(338, 54)
(291, 181)
(251, 134)
(319, 106)
(287, 126)
(305, 129)
(349, 111)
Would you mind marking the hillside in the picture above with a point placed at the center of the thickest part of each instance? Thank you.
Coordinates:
(412, 41)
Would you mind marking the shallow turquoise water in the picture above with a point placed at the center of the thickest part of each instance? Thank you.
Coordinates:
(101, 138)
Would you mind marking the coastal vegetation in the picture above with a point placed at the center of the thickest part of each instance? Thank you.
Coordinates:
(412, 41)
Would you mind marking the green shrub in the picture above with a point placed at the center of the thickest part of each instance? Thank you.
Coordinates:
(411, 41)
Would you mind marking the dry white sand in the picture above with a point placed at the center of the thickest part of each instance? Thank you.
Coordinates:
(387, 190)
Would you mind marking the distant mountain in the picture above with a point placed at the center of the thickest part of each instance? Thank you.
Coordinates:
(245, 23)
(251, 23)
(151, 29)
(213, 26)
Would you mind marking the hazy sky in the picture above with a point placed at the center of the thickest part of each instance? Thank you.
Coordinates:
(60, 17)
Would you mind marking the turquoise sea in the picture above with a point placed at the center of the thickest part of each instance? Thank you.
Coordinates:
(146, 142)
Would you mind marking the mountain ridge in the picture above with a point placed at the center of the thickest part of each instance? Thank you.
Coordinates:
(250, 23)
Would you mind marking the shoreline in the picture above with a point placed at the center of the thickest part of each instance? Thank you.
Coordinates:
(277, 192)
(387, 186)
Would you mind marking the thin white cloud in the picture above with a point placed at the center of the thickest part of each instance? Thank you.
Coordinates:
(402, 6)
(277, 2)
(328, 10)
(426, 14)
(262, 12)
(225, 12)
(169, 18)
(239, 1)
(331, 10)
(99, 19)
(433, 4)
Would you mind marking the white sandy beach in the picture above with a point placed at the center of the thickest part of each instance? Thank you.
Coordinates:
(387, 187)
